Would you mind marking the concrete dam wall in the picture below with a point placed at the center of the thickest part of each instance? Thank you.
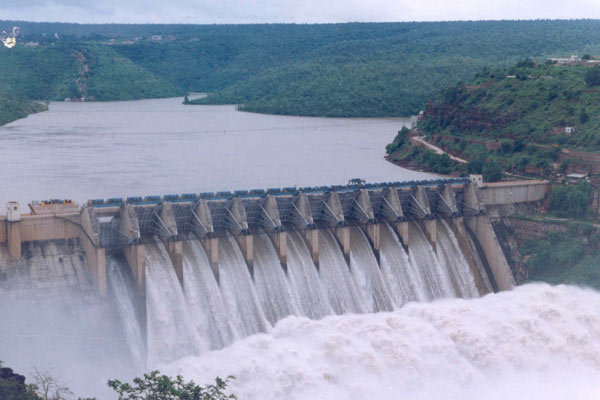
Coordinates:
(198, 271)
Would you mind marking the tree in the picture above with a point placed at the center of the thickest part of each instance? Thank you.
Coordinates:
(586, 57)
(492, 171)
(526, 63)
(398, 141)
(584, 117)
(49, 388)
(13, 386)
(592, 77)
(154, 386)
(571, 201)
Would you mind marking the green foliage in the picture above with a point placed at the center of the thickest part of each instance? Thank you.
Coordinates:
(356, 69)
(154, 386)
(492, 171)
(12, 108)
(398, 142)
(592, 77)
(13, 386)
(571, 201)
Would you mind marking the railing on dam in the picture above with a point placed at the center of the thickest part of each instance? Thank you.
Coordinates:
(256, 193)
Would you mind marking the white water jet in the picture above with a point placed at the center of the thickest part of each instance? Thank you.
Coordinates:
(238, 292)
(344, 295)
(304, 279)
(404, 282)
(457, 266)
(366, 272)
(435, 275)
(171, 332)
(535, 342)
(204, 297)
(122, 293)
(271, 284)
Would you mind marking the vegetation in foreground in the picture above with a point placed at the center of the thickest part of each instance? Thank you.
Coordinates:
(152, 386)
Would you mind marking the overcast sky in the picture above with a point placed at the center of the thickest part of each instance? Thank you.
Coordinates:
(258, 11)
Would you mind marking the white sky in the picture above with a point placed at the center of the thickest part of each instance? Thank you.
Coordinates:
(300, 11)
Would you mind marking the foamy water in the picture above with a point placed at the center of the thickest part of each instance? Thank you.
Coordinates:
(535, 342)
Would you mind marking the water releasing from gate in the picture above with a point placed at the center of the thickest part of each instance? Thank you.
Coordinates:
(204, 296)
(343, 292)
(171, 331)
(238, 290)
(304, 279)
(366, 272)
(272, 286)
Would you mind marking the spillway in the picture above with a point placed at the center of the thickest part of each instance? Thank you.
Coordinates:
(239, 292)
(186, 314)
(436, 277)
(204, 297)
(342, 289)
(272, 286)
(405, 283)
(126, 306)
(367, 273)
(171, 335)
(305, 281)
(456, 264)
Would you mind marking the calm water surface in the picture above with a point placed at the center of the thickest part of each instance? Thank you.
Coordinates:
(147, 147)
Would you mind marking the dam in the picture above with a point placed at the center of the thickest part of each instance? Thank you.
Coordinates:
(198, 271)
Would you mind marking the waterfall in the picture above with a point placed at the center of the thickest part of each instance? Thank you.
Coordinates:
(422, 255)
(204, 297)
(171, 332)
(304, 279)
(366, 271)
(344, 295)
(404, 281)
(457, 266)
(123, 295)
(270, 281)
(238, 291)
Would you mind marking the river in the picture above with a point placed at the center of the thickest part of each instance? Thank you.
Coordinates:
(154, 147)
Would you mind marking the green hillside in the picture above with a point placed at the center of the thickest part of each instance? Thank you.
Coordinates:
(12, 109)
(520, 119)
(65, 70)
(530, 102)
(355, 69)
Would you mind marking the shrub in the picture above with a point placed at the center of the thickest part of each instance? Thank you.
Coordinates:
(492, 171)
(592, 77)
(570, 201)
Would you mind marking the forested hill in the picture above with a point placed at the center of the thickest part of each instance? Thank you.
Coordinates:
(358, 69)
(547, 104)
(540, 119)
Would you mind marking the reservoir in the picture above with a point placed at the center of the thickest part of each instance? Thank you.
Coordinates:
(154, 147)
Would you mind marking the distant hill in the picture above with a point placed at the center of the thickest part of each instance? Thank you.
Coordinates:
(350, 70)
(68, 70)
